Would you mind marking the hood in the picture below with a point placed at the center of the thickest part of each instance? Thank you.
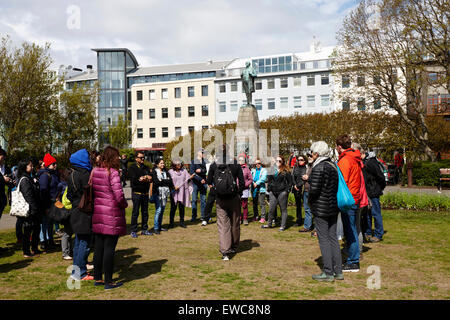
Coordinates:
(352, 153)
(81, 159)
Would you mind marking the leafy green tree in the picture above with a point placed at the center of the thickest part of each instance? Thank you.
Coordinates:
(118, 134)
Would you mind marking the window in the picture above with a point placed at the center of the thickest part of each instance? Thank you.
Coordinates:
(233, 105)
(302, 65)
(222, 106)
(190, 91)
(311, 101)
(258, 104)
(191, 129)
(360, 81)
(244, 103)
(165, 112)
(271, 104)
(152, 133)
(233, 86)
(177, 131)
(151, 94)
(222, 88)
(151, 113)
(315, 64)
(325, 79)
(361, 104)
(191, 111)
(165, 132)
(129, 99)
(139, 95)
(297, 102)
(140, 133)
(346, 105)
(204, 91)
(205, 127)
(284, 102)
(139, 114)
(205, 111)
(258, 85)
(271, 83)
(297, 81)
(177, 93)
(164, 93)
(325, 100)
(311, 81)
(345, 81)
(177, 112)
(283, 83)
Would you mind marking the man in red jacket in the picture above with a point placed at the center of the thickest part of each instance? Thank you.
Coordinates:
(350, 165)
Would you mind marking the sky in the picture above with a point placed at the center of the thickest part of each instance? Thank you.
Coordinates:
(161, 32)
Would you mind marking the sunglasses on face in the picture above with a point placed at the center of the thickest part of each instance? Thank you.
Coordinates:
(258, 163)
(301, 159)
(141, 158)
(279, 161)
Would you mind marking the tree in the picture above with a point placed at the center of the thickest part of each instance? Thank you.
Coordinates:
(119, 134)
(28, 97)
(379, 41)
(76, 121)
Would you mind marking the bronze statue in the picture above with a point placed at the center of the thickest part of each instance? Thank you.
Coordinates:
(248, 76)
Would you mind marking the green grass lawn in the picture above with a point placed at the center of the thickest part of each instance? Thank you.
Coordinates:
(185, 264)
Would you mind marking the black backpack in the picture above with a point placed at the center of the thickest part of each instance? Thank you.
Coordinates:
(224, 182)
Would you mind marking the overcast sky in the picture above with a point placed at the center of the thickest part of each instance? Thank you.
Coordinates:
(162, 32)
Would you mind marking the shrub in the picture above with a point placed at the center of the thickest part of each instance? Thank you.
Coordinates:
(426, 173)
(415, 201)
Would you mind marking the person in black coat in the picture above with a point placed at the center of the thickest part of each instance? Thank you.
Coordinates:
(124, 169)
(323, 187)
(31, 224)
(297, 190)
(375, 184)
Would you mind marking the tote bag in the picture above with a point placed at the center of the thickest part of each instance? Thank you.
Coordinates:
(344, 196)
(19, 206)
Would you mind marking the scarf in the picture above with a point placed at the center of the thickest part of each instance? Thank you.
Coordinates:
(163, 191)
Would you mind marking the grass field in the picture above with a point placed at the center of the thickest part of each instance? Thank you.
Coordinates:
(185, 264)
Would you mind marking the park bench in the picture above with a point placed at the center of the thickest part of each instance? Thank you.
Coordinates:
(444, 175)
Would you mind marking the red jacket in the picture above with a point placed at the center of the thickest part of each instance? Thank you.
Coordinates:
(350, 163)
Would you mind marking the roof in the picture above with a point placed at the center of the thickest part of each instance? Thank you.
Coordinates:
(179, 68)
(118, 49)
(83, 76)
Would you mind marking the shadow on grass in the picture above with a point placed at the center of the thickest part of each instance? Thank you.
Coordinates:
(246, 245)
(344, 257)
(129, 271)
(7, 267)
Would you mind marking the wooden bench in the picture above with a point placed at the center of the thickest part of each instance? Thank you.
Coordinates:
(444, 175)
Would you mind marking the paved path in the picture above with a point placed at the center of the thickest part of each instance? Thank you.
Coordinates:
(8, 222)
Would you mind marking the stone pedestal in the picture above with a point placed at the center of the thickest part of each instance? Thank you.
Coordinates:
(247, 131)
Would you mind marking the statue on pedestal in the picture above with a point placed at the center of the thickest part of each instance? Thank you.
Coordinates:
(248, 76)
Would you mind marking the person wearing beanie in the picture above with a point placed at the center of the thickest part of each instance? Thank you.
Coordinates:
(48, 186)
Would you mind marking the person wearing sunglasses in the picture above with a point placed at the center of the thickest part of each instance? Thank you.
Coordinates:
(140, 179)
(297, 174)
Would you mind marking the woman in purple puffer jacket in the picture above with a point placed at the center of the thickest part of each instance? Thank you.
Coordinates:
(108, 219)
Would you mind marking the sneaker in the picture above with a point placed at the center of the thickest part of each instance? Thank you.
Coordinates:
(225, 257)
(245, 222)
(304, 230)
(314, 234)
(323, 277)
(266, 226)
(262, 220)
(193, 219)
(89, 266)
(134, 235)
(28, 255)
(204, 223)
(109, 286)
(338, 276)
(353, 267)
(171, 225)
(281, 229)
(87, 277)
(67, 258)
(157, 232)
(146, 233)
(182, 225)
(273, 223)
(375, 239)
(162, 229)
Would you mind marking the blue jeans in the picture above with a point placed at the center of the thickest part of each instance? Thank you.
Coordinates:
(46, 233)
(308, 216)
(159, 212)
(196, 189)
(351, 234)
(80, 255)
(375, 212)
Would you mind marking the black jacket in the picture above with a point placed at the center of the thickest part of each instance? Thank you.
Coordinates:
(198, 176)
(134, 173)
(30, 192)
(236, 171)
(163, 183)
(297, 174)
(280, 183)
(3, 184)
(80, 221)
(373, 178)
(323, 187)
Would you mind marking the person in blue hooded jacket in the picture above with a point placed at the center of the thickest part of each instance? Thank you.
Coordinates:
(80, 221)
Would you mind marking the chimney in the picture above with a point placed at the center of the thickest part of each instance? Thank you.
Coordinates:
(89, 68)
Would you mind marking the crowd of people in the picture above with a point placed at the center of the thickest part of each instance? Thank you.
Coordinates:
(228, 183)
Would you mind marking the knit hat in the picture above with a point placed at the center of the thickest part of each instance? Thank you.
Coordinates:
(48, 160)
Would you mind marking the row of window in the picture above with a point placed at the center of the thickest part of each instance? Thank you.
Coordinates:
(283, 103)
(170, 77)
(164, 132)
(285, 63)
(177, 112)
(361, 104)
(176, 93)
(281, 83)
(361, 80)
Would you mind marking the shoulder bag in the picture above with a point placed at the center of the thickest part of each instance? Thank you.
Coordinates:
(19, 206)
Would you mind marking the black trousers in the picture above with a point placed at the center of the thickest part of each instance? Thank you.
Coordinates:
(173, 209)
(139, 201)
(31, 228)
(210, 203)
(105, 245)
(298, 195)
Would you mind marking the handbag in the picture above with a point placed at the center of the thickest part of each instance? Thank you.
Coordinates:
(345, 199)
(19, 206)
(58, 212)
(87, 199)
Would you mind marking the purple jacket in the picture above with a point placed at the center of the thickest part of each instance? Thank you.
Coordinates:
(109, 203)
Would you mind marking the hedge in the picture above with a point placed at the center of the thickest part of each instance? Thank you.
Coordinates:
(426, 173)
